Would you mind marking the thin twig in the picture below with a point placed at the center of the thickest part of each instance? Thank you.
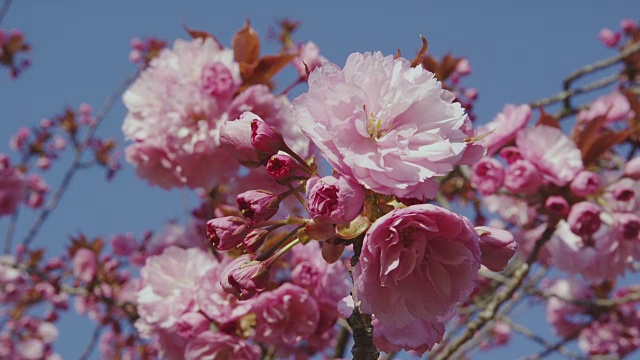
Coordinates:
(343, 340)
(492, 308)
(92, 344)
(526, 332)
(602, 64)
(75, 164)
(561, 96)
(11, 227)
(4, 9)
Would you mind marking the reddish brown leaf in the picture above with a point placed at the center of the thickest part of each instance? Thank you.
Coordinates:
(585, 137)
(423, 50)
(398, 54)
(635, 106)
(266, 68)
(603, 143)
(199, 34)
(546, 119)
(246, 44)
(430, 63)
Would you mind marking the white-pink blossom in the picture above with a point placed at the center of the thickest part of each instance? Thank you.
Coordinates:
(385, 124)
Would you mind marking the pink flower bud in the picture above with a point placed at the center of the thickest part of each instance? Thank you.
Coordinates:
(627, 225)
(282, 167)
(258, 205)
(628, 25)
(84, 265)
(13, 189)
(244, 277)
(622, 191)
(471, 94)
(585, 183)
(522, 177)
(487, 175)
(20, 138)
(463, 67)
(334, 199)
(254, 240)
(584, 218)
(43, 163)
(331, 253)
(46, 123)
(557, 205)
(632, 168)
(608, 37)
(497, 247)
(191, 324)
(123, 245)
(227, 232)
(264, 138)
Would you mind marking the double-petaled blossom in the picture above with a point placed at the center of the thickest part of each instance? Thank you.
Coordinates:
(175, 110)
(557, 157)
(615, 107)
(287, 314)
(584, 218)
(522, 177)
(283, 167)
(416, 263)
(218, 345)
(385, 124)
(487, 175)
(334, 199)
(168, 287)
(503, 128)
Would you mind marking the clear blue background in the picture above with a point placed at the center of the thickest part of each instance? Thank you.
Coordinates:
(520, 51)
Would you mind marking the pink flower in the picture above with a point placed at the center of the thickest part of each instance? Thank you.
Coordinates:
(608, 37)
(552, 152)
(309, 55)
(334, 199)
(287, 315)
(258, 205)
(123, 245)
(283, 167)
(584, 218)
(416, 264)
(244, 277)
(235, 138)
(275, 111)
(264, 138)
(214, 301)
(168, 285)
(13, 189)
(557, 205)
(175, 109)
(487, 175)
(628, 25)
(227, 232)
(561, 314)
(596, 258)
(615, 106)
(211, 345)
(522, 177)
(463, 67)
(585, 183)
(84, 265)
(632, 168)
(497, 247)
(510, 208)
(191, 324)
(387, 125)
(503, 128)
(19, 140)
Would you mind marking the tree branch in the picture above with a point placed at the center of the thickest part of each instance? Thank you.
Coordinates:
(77, 160)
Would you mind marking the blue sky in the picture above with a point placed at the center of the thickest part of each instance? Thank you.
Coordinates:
(519, 51)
